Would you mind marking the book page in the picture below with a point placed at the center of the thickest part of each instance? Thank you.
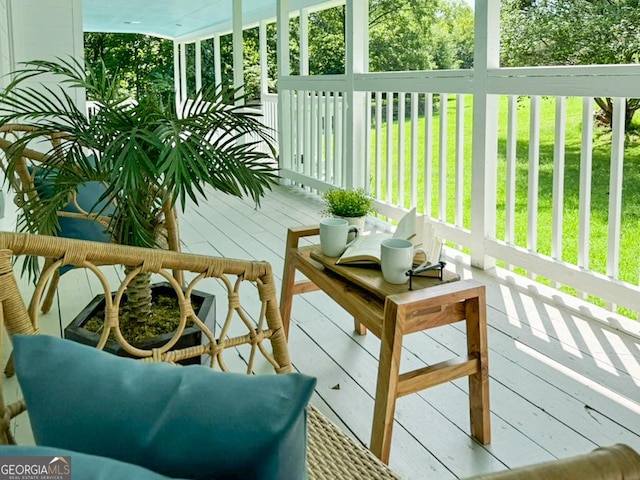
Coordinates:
(365, 249)
(406, 228)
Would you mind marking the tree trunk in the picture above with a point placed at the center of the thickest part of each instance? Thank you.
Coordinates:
(138, 305)
(605, 116)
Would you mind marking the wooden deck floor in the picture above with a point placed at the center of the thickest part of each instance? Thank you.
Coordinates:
(562, 383)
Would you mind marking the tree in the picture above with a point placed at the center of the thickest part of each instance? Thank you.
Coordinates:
(572, 32)
(146, 62)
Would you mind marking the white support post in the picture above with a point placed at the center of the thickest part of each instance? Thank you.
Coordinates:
(264, 65)
(176, 74)
(198, 65)
(485, 131)
(183, 73)
(304, 41)
(238, 50)
(357, 61)
(285, 134)
(217, 61)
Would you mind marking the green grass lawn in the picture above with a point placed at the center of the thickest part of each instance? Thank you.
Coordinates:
(630, 246)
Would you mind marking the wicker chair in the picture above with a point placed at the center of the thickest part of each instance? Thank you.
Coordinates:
(23, 183)
(250, 327)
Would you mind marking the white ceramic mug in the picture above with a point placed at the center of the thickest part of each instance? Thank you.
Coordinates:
(396, 257)
(333, 236)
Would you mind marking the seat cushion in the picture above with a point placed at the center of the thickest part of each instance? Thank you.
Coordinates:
(81, 465)
(179, 421)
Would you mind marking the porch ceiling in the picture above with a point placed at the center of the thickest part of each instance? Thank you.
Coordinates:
(178, 19)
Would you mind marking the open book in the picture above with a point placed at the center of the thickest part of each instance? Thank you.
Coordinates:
(366, 248)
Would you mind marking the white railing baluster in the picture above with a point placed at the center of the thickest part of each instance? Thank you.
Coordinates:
(442, 174)
(337, 143)
(328, 136)
(306, 141)
(313, 134)
(415, 118)
(557, 231)
(534, 172)
(389, 158)
(301, 130)
(401, 156)
(367, 143)
(340, 143)
(586, 168)
(512, 163)
(615, 187)
(378, 191)
(459, 200)
(428, 154)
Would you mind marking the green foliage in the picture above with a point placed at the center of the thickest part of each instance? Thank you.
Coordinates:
(572, 32)
(145, 63)
(347, 202)
(147, 154)
(420, 35)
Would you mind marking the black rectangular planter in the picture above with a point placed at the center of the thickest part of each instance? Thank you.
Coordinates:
(203, 304)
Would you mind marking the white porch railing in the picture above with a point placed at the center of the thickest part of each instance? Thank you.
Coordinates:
(408, 140)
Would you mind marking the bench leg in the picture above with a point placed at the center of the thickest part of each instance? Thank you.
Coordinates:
(387, 386)
(480, 415)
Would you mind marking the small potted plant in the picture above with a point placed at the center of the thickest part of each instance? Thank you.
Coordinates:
(352, 204)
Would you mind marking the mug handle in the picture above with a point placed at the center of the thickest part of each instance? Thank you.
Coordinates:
(353, 229)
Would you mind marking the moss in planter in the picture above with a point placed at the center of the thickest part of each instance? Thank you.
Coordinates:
(165, 318)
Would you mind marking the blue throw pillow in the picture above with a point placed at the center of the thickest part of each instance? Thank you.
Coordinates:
(82, 466)
(87, 197)
(179, 421)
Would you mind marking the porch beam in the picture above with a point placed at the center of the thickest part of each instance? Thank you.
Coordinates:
(356, 62)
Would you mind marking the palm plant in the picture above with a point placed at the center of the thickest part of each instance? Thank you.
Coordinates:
(145, 154)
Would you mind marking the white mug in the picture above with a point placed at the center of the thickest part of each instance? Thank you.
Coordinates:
(333, 236)
(396, 258)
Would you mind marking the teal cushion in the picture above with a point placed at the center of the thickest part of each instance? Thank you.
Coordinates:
(82, 466)
(87, 197)
(179, 421)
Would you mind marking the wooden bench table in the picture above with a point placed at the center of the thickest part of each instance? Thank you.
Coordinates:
(390, 312)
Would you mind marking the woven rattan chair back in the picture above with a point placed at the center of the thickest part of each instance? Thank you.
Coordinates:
(247, 316)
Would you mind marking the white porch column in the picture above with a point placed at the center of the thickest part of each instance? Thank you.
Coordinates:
(198, 65)
(217, 62)
(41, 31)
(304, 41)
(485, 131)
(6, 43)
(176, 73)
(284, 97)
(183, 73)
(264, 65)
(238, 49)
(357, 61)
